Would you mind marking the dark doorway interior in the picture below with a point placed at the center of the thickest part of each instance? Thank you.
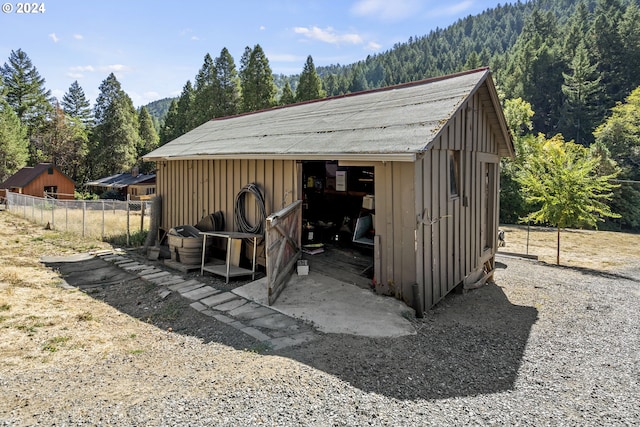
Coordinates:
(334, 198)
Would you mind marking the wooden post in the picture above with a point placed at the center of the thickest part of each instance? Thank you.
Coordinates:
(128, 219)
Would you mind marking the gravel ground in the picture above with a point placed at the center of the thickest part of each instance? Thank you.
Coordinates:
(543, 346)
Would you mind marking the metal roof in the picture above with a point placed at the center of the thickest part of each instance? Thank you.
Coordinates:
(394, 123)
(122, 180)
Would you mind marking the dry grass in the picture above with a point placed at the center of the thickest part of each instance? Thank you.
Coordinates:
(600, 250)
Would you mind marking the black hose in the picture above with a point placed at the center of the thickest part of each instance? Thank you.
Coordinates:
(240, 212)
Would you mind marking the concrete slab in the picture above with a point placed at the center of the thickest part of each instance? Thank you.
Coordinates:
(258, 311)
(255, 334)
(336, 307)
(65, 258)
(275, 321)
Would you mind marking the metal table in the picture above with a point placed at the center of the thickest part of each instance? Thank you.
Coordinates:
(227, 270)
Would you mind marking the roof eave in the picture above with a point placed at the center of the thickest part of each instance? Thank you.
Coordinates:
(373, 157)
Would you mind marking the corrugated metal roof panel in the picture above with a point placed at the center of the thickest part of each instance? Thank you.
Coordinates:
(392, 121)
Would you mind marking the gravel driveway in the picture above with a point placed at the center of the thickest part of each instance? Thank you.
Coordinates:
(545, 345)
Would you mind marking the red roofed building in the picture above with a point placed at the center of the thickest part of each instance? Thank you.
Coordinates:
(40, 180)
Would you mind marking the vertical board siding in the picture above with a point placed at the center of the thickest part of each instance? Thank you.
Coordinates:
(193, 188)
(452, 248)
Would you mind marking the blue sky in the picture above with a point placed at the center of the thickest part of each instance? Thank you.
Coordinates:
(154, 47)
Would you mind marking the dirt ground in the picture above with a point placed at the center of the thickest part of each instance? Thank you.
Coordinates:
(597, 250)
(46, 330)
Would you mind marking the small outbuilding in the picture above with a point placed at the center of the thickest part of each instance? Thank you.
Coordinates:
(42, 180)
(410, 171)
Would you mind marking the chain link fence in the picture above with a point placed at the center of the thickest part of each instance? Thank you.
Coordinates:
(98, 219)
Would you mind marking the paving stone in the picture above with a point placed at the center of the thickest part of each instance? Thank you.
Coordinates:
(135, 267)
(223, 318)
(283, 342)
(238, 325)
(255, 333)
(198, 306)
(274, 321)
(148, 271)
(209, 313)
(156, 275)
(200, 293)
(230, 305)
(164, 293)
(248, 307)
(218, 299)
(187, 286)
(168, 280)
(260, 311)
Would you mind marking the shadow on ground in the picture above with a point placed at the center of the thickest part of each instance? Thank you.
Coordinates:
(469, 344)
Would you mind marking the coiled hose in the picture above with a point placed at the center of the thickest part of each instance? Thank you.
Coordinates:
(240, 211)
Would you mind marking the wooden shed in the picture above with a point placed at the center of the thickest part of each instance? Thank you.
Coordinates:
(44, 179)
(420, 161)
(134, 185)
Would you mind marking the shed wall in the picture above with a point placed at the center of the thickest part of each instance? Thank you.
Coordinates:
(192, 189)
(456, 233)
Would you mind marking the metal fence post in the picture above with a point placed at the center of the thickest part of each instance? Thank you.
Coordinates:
(128, 217)
(84, 216)
(103, 219)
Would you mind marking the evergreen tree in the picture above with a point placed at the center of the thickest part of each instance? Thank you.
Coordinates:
(171, 127)
(226, 86)
(14, 145)
(149, 140)
(184, 105)
(203, 106)
(608, 49)
(287, 96)
(75, 104)
(629, 31)
(620, 134)
(256, 81)
(116, 138)
(310, 86)
(25, 91)
(581, 89)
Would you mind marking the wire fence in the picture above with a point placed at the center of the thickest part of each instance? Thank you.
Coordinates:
(98, 219)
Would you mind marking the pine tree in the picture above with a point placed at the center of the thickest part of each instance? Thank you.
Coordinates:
(25, 91)
(171, 127)
(14, 145)
(148, 139)
(75, 104)
(116, 135)
(226, 85)
(182, 122)
(582, 97)
(287, 96)
(202, 109)
(256, 81)
(310, 86)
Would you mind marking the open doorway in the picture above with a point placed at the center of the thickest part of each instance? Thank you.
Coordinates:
(338, 220)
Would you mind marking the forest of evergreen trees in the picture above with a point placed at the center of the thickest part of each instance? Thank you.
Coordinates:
(570, 65)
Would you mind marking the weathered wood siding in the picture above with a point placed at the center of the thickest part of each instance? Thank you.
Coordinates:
(454, 241)
(66, 187)
(191, 189)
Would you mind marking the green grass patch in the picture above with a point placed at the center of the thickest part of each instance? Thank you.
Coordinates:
(54, 343)
(5, 307)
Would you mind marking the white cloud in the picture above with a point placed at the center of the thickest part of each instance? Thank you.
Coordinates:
(115, 68)
(373, 46)
(75, 75)
(78, 36)
(328, 35)
(82, 68)
(262, 28)
(386, 10)
(53, 37)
